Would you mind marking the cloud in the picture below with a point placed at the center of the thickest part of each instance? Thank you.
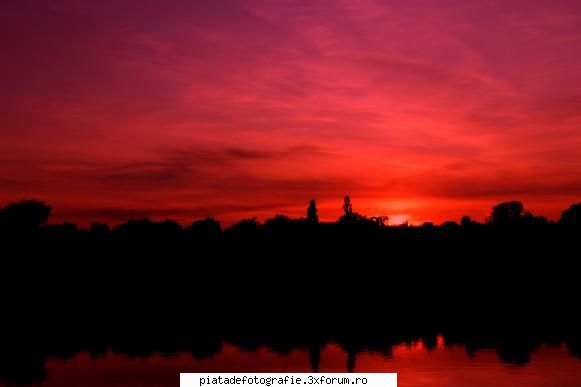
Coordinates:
(503, 185)
(183, 167)
(256, 104)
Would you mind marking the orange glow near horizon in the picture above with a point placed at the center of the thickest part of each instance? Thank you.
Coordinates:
(111, 110)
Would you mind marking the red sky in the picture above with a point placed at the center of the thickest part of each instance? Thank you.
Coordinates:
(420, 110)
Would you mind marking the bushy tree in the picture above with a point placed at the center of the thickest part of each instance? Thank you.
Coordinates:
(208, 228)
(571, 216)
(467, 221)
(507, 213)
(24, 215)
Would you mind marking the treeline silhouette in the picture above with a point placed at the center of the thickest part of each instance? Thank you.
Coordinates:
(28, 220)
(512, 252)
(511, 279)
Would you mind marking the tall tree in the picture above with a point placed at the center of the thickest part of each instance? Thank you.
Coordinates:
(312, 216)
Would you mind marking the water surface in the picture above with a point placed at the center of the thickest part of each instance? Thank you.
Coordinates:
(416, 364)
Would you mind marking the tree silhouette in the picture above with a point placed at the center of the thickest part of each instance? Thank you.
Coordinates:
(571, 216)
(347, 207)
(380, 220)
(61, 232)
(350, 217)
(99, 229)
(507, 213)
(25, 215)
(205, 229)
(312, 216)
(467, 221)
(450, 225)
(245, 230)
(529, 219)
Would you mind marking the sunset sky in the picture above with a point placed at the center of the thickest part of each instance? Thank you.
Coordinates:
(420, 110)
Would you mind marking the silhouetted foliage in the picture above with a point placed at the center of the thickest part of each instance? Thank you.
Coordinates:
(353, 218)
(279, 221)
(532, 220)
(312, 216)
(63, 232)
(246, 229)
(380, 220)
(208, 229)
(450, 225)
(98, 229)
(25, 215)
(571, 216)
(466, 221)
(507, 213)
(347, 207)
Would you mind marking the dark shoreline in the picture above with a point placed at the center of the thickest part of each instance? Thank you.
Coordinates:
(155, 287)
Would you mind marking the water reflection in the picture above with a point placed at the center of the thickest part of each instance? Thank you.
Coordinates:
(429, 361)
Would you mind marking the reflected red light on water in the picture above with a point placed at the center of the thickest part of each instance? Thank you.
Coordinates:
(415, 364)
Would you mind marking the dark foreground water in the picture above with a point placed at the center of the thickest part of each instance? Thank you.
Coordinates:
(440, 365)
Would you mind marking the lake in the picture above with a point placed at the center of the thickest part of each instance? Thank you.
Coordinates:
(417, 362)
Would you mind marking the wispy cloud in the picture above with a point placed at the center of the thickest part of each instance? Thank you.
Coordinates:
(251, 104)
